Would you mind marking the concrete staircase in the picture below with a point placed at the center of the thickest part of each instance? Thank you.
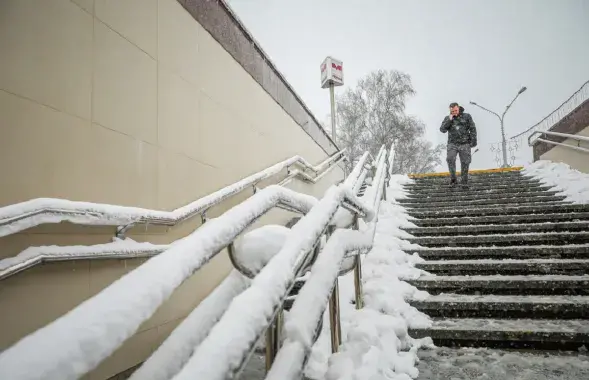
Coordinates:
(509, 263)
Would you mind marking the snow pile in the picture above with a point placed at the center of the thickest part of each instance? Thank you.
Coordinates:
(375, 340)
(310, 303)
(572, 183)
(255, 249)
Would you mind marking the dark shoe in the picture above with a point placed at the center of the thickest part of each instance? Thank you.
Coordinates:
(453, 183)
(464, 184)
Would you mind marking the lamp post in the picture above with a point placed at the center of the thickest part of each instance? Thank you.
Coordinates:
(503, 141)
(332, 75)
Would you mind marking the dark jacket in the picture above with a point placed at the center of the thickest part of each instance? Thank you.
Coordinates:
(461, 130)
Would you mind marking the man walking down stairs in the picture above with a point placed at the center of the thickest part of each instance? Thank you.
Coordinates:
(509, 265)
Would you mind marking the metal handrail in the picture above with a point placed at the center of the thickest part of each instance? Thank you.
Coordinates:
(270, 288)
(176, 350)
(28, 258)
(292, 357)
(559, 134)
(25, 260)
(24, 215)
(133, 294)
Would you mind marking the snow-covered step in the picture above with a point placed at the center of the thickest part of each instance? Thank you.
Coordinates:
(485, 202)
(477, 183)
(498, 284)
(556, 238)
(475, 175)
(535, 333)
(443, 197)
(580, 251)
(502, 219)
(506, 306)
(459, 205)
(506, 267)
(505, 210)
(499, 228)
(477, 179)
(417, 190)
(469, 363)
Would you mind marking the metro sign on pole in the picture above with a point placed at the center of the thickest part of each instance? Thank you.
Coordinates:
(332, 73)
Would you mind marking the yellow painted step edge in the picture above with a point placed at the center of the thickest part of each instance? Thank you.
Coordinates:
(480, 171)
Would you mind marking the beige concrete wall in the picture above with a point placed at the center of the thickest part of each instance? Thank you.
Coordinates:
(577, 160)
(126, 102)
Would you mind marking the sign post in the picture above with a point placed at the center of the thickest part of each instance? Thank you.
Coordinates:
(332, 74)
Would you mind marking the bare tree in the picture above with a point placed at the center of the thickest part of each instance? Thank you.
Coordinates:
(373, 114)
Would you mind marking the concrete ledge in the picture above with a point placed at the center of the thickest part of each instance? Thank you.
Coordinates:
(225, 27)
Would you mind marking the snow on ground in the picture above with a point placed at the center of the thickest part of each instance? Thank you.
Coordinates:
(486, 364)
(375, 340)
(571, 182)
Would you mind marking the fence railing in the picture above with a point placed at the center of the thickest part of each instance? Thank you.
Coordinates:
(225, 327)
(568, 106)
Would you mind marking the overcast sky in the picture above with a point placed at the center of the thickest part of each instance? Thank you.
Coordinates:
(454, 51)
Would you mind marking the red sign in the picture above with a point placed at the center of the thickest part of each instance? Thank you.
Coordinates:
(337, 67)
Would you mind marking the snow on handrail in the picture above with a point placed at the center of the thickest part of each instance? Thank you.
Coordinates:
(323, 170)
(311, 300)
(173, 353)
(24, 215)
(119, 249)
(230, 341)
(92, 331)
(267, 292)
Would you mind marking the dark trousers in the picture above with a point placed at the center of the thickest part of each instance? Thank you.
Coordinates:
(462, 150)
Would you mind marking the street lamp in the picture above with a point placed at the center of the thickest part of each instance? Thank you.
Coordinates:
(503, 142)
